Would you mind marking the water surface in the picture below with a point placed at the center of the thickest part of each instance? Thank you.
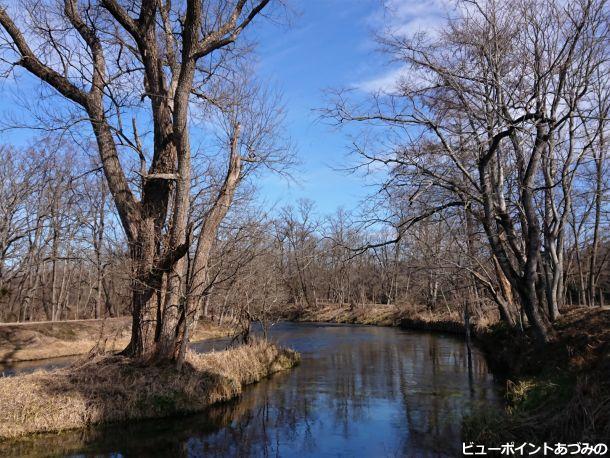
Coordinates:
(359, 391)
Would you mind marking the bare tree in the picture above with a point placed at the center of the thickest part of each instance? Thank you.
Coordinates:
(490, 119)
(106, 58)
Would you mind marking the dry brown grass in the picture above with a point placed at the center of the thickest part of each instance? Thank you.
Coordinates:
(77, 442)
(374, 314)
(447, 321)
(406, 316)
(33, 341)
(110, 389)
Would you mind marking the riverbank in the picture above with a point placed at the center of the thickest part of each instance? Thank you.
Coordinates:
(353, 380)
(557, 392)
(113, 388)
(390, 315)
(53, 339)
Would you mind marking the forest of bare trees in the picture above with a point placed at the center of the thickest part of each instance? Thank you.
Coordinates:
(196, 195)
(136, 76)
(499, 126)
(492, 153)
(61, 257)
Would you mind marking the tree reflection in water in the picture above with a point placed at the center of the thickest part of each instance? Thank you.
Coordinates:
(359, 391)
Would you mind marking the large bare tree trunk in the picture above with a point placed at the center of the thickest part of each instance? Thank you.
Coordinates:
(156, 224)
(207, 235)
(524, 280)
(599, 157)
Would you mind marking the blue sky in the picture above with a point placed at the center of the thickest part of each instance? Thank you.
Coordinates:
(325, 44)
(329, 45)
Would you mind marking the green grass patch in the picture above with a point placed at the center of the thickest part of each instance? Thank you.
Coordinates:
(529, 395)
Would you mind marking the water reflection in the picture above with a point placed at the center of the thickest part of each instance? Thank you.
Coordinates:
(359, 391)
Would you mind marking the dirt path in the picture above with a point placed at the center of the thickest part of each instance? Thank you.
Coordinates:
(51, 339)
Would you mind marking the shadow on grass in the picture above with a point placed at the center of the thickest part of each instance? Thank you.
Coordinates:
(116, 389)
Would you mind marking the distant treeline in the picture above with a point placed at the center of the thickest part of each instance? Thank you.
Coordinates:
(64, 257)
(490, 150)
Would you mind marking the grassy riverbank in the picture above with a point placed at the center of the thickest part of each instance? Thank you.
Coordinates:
(558, 392)
(41, 340)
(390, 315)
(373, 314)
(113, 388)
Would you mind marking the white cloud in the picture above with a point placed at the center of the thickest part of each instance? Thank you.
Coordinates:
(387, 82)
(398, 78)
(404, 18)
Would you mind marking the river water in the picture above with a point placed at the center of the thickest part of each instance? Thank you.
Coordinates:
(359, 391)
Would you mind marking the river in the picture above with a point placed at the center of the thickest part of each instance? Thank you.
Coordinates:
(359, 391)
